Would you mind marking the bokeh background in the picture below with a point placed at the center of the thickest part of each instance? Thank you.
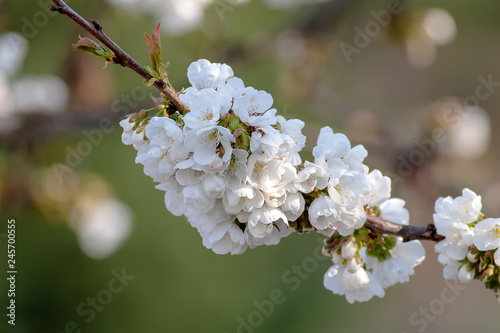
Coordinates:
(85, 211)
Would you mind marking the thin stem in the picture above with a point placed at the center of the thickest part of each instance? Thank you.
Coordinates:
(408, 232)
(121, 57)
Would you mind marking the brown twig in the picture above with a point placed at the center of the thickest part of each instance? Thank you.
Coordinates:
(121, 57)
(408, 232)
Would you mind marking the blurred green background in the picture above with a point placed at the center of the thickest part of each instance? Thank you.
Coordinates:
(388, 97)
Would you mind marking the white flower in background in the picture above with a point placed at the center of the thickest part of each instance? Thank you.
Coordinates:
(13, 49)
(470, 135)
(439, 26)
(180, 17)
(103, 227)
(47, 93)
(436, 27)
(177, 17)
(8, 119)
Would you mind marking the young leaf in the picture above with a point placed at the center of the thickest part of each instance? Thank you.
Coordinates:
(89, 46)
(154, 46)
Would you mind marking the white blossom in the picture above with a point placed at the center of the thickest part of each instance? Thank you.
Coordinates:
(203, 74)
(358, 286)
(323, 213)
(404, 257)
(250, 106)
(452, 219)
(487, 234)
(204, 143)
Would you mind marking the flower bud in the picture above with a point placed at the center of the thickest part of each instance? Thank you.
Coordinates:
(487, 273)
(349, 250)
(472, 256)
(465, 275)
(336, 258)
(138, 137)
(353, 265)
(128, 126)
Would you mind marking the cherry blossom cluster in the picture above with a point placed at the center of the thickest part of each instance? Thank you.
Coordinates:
(366, 263)
(231, 165)
(469, 250)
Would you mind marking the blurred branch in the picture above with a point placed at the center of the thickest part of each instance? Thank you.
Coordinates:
(408, 232)
(121, 57)
(325, 16)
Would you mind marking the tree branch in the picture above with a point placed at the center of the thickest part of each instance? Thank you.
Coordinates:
(408, 232)
(121, 57)
(376, 224)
